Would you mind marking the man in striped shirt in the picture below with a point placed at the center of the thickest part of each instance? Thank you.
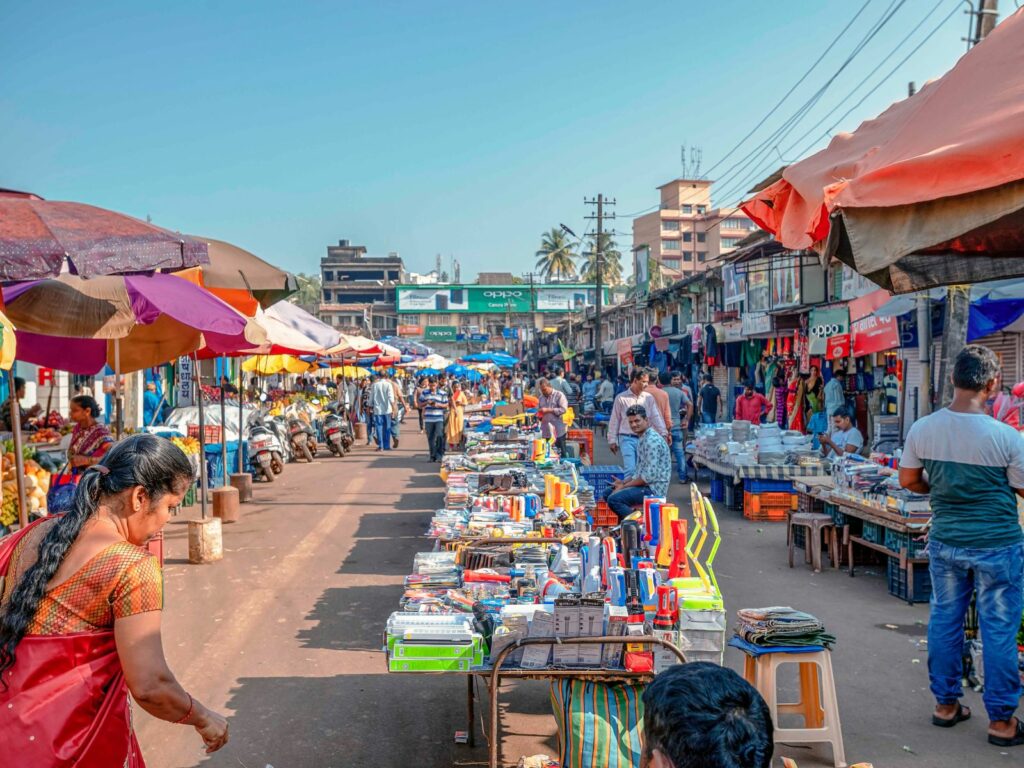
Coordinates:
(434, 404)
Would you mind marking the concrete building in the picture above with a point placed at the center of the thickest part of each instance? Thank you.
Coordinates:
(686, 232)
(359, 290)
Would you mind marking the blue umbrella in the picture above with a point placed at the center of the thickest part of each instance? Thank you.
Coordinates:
(500, 359)
(474, 376)
(428, 372)
(457, 370)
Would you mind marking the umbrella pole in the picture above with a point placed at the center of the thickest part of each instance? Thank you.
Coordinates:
(118, 398)
(223, 434)
(241, 466)
(19, 460)
(202, 438)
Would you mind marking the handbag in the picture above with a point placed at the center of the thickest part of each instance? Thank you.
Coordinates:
(61, 495)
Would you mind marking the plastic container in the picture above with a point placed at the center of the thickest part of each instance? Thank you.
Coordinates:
(585, 437)
(873, 532)
(603, 516)
(602, 477)
(768, 507)
(898, 581)
(767, 486)
(717, 489)
(896, 541)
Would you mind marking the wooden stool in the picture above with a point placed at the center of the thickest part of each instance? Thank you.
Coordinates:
(817, 705)
(815, 523)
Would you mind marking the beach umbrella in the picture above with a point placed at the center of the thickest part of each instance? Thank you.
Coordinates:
(268, 365)
(428, 372)
(473, 376)
(349, 371)
(300, 320)
(42, 238)
(351, 345)
(930, 192)
(128, 322)
(457, 370)
(242, 279)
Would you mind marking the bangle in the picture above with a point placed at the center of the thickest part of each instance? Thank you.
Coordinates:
(187, 715)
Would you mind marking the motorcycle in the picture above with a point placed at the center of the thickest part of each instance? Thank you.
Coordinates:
(266, 456)
(301, 435)
(337, 429)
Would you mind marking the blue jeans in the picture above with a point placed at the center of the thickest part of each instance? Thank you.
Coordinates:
(678, 454)
(627, 500)
(998, 576)
(628, 446)
(708, 418)
(382, 429)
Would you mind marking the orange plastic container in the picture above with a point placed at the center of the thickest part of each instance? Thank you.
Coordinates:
(585, 437)
(768, 507)
(603, 516)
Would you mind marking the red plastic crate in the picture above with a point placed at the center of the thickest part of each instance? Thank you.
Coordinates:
(604, 517)
(584, 437)
(213, 433)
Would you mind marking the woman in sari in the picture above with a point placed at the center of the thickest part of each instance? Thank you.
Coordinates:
(80, 619)
(455, 421)
(795, 402)
(90, 439)
(817, 422)
(779, 394)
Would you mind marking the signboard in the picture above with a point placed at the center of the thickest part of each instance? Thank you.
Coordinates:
(786, 283)
(734, 289)
(868, 303)
(510, 333)
(410, 330)
(838, 347)
(757, 324)
(511, 299)
(874, 334)
(854, 285)
(758, 290)
(624, 349)
(480, 338)
(44, 376)
(642, 269)
(183, 394)
(440, 333)
(824, 324)
(729, 332)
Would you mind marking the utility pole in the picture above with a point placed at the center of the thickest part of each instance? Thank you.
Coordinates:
(600, 202)
(958, 297)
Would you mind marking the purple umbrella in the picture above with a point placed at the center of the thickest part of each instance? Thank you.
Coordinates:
(127, 322)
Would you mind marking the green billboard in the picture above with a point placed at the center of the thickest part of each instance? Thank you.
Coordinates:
(484, 299)
(440, 333)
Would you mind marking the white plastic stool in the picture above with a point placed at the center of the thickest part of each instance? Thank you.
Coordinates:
(817, 705)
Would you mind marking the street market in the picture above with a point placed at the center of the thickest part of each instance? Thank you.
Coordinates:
(764, 511)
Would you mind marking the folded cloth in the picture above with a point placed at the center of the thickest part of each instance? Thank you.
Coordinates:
(781, 626)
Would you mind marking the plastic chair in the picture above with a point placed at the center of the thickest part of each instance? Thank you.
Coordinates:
(818, 705)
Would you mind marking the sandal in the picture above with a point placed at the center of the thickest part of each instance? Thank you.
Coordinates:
(1014, 741)
(948, 722)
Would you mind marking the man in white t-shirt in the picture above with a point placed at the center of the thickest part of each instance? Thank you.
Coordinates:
(844, 437)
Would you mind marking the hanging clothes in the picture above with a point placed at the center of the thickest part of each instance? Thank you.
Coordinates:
(891, 385)
(710, 341)
(732, 354)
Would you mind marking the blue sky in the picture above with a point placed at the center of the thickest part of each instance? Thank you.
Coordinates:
(459, 128)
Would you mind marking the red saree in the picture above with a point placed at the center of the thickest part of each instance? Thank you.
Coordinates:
(66, 704)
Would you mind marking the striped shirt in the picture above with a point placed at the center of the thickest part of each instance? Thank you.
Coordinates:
(434, 405)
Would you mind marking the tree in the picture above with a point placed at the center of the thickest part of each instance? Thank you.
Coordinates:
(555, 259)
(310, 293)
(611, 257)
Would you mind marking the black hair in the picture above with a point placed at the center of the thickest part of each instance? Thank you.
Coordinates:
(842, 412)
(636, 410)
(155, 464)
(19, 383)
(975, 367)
(665, 377)
(637, 373)
(701, 715)
(86, 402)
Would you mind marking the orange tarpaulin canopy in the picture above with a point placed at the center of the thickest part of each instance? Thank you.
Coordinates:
(933, 179)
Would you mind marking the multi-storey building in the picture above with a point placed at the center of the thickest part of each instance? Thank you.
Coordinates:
(359, 290)
(687, 233)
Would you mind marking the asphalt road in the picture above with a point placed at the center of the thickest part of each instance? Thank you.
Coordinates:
(284, 636)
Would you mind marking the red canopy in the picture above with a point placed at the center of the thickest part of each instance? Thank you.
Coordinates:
(934, 178)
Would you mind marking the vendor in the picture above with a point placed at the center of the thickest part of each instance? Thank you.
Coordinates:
(653, 469)
(750, 406)
(25, 416)
(552, 406)
(90, 439)
(844, 438)
(151, 405)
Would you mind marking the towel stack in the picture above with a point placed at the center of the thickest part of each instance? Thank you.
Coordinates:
(781, 626)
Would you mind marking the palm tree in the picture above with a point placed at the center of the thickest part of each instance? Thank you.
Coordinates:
(555, 259)
(309, 294)
(611, 273)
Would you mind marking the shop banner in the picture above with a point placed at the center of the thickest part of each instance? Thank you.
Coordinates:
(410, 330)
(734, 289)
(757, 324)
(854, 285)
(480, 338)
(786, 282)
(624, 348)
(868, 303)
(730, 332)
(874, 334)
(510, 333)
(440, 333)
(511, 299)
(838, 347)
(802, 351)
(183, 393)
(825, 323)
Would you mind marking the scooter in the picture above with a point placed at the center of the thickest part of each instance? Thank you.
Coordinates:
(301, 435)
(337, 429)
(266, 457)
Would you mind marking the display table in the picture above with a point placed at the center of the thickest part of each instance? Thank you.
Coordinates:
(740, 472)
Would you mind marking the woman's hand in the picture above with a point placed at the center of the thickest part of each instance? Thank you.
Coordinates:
(213, 728)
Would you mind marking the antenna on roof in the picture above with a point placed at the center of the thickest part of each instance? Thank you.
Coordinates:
(696, 155)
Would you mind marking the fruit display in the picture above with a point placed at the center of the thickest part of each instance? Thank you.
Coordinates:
(55, 421)
(45, 435)
(37, 483)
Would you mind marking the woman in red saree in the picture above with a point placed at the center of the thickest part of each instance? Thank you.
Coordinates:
(795, 402)
(80, 619)
(90, 439)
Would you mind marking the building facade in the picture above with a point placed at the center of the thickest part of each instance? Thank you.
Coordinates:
(359, 290)
(687, 233)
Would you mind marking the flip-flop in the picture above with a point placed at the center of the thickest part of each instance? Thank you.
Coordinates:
(948, 722)
(1014, 741)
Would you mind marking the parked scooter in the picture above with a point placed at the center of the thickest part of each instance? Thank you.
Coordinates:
(266, 455)
(301, 435)
(337, 429)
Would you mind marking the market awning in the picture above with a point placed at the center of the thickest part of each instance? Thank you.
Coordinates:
(929, 193)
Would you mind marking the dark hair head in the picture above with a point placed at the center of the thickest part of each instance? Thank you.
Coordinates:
(637, 374)
(701, 715)
(87, 403)
(839, 374)
(975, 367)
(665, 377)
(636, 410)
(842, 412)
(19, 383)
(156, 465)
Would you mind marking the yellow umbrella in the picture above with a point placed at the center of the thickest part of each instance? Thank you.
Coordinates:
(8, 343)
(268, 365)
(349, 371)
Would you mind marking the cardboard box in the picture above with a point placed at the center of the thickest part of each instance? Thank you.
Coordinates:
(509, 409)
(663, 657)
(611, 654)
(537, 656)
(591, 625)
(567, 624)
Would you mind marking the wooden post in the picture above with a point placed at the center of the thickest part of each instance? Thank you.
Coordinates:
(205, 542)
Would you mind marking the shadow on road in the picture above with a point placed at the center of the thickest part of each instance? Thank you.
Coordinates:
(351, 618)
(381, 557)
(395, 525)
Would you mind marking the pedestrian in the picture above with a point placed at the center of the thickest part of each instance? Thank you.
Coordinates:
(661, 398)
(552, 406)
(151, 405)
(80, 618)
(750, 406)
(675, 399)
(652, 472)
(605, 394)
(975, 471)
(701, 715)
(366, 408)
(709, 402)
(835, 392)
(382, 398)
(433, 403)
(421, 387)
(621, 438)
(558, 382)
(844, 437)
(455, 423)
(397, 412)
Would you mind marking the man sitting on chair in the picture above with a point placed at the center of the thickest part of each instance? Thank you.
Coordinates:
(653, 469)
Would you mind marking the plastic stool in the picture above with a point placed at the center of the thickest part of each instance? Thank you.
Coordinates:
(817, 705)
(815, 523)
